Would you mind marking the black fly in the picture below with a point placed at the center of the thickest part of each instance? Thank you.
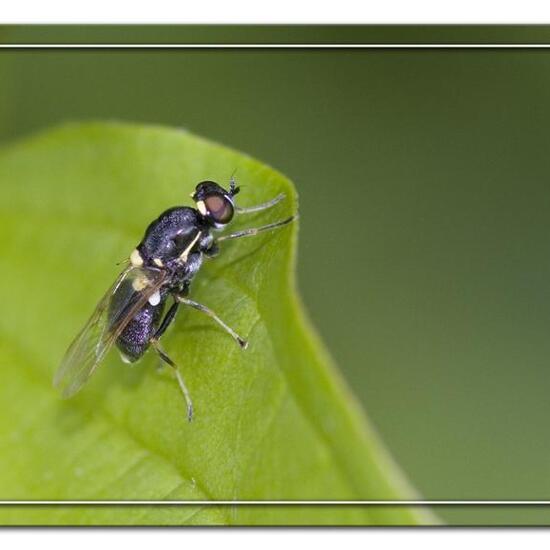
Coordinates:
(131, 313)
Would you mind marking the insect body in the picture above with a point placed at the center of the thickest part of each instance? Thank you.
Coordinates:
(133, 314)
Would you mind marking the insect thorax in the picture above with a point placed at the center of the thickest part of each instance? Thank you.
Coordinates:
(174, 242)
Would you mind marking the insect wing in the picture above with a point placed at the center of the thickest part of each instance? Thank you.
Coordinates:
(130, 292)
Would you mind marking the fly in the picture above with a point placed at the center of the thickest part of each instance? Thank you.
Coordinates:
(132, 314)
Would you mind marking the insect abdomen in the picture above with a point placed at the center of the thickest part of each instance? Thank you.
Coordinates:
(134, 339)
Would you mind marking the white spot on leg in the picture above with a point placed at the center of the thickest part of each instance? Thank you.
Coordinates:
(125, 359)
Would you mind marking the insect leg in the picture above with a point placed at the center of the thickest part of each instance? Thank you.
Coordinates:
(183, 387)
(255, 230)
(241, 341)
(166, 321)
(211, 252)
(168, 318)
(260, 207)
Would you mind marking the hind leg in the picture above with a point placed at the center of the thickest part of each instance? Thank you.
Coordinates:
(168, 318)
(162, 354)
(165, 323)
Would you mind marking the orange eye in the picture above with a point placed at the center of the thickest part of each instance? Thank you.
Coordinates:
(219, 208)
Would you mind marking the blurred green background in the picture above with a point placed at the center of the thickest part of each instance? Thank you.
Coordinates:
(425, 201)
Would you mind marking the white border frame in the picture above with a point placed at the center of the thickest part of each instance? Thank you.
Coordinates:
(267, 46)
(168, 46)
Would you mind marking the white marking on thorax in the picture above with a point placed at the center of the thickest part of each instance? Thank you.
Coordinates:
(185, 253)
(135, 258)
(202, 208)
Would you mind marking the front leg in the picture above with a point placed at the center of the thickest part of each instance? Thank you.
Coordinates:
(212, 251)
(250, 232)
(187, 302)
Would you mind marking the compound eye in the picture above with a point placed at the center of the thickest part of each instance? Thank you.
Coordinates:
(220, 208)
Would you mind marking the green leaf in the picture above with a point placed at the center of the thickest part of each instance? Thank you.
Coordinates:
(274, 422)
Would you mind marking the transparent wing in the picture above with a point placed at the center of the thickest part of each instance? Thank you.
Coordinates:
(129, 293)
